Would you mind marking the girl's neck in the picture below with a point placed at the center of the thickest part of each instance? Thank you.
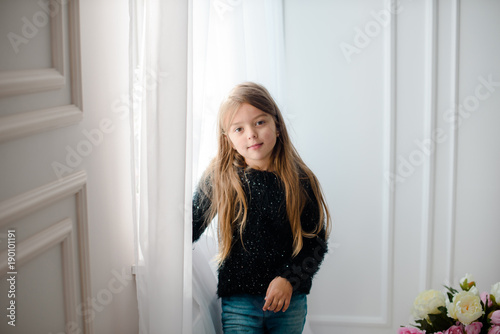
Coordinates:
(260, 169)
(268, 167)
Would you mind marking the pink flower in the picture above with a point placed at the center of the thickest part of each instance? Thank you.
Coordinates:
(486, 297)
(454, 330)
(410, 330)
(494, 330)
(474, 328)
(495, 317)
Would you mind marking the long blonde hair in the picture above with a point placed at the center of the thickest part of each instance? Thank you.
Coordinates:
(222, 183)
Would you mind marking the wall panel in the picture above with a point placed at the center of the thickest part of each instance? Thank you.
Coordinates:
(69, 262)
(369, 105)
(348, 108)
(45, 130)
(62, 76)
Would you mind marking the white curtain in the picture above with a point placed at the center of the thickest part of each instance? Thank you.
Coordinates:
(162, 150)
(233, 41)
(186, 56)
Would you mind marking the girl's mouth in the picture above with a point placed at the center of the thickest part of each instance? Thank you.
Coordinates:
(255, 146)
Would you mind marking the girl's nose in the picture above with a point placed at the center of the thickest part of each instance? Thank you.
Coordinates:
(252, 134)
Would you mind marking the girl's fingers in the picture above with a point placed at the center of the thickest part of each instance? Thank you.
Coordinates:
(267, 304)
(279, 306)
(278, 295)
(287, 304)
(274, 305)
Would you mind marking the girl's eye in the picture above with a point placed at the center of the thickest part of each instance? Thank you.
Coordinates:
(237, 129)
(260, 122)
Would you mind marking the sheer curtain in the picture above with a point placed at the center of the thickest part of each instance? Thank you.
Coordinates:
(186, 56)
(159, 99)
(233, 41)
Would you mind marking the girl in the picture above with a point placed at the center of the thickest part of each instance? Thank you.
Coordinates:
(273, 221)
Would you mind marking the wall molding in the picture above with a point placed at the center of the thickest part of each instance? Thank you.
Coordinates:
(40, 80)
(455, 77)
(429, 166)
(22, 205)
(34, 200)
(390, 90)
(57, 42)
(84, 253)
(33, 246)
(74, 53)
(30, 81)
(348, 320)
(27, 123)
(57, 234)
(386, 289)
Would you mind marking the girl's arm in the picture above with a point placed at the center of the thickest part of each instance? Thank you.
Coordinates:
(300, 270)
(201, 206)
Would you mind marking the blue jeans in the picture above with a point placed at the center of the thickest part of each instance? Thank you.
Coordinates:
(243, 314)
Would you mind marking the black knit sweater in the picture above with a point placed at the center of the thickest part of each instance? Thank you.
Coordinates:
(267, 238)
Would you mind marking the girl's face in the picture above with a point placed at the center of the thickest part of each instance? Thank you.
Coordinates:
(253, 134)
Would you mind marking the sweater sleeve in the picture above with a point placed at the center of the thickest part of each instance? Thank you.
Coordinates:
(201, 206)
(299, 270)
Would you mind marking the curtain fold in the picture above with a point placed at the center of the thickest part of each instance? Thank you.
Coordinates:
(161, 133)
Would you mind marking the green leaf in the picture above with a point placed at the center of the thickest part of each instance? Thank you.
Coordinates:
(451, 292)
(437, 322)
(443, 310)
(424, 325)
(440, 322)
(451, 289)
(464, 285)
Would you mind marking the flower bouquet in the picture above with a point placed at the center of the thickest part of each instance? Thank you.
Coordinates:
(456, 312)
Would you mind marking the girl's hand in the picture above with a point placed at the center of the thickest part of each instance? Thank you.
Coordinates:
(278, 295)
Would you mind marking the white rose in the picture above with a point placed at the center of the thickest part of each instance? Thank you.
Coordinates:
(467, 277)
(466, 307)
(495, 291)
(427, 302)
(467, 282)
(474, 290)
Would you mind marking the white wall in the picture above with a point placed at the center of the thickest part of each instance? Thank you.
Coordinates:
(360, 114)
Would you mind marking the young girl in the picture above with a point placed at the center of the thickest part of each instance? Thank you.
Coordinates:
(273, 221)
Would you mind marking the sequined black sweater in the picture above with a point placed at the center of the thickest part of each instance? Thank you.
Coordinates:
(267, 239)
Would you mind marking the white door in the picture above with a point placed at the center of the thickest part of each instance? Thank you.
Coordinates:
(66, 241)
(372, 87)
